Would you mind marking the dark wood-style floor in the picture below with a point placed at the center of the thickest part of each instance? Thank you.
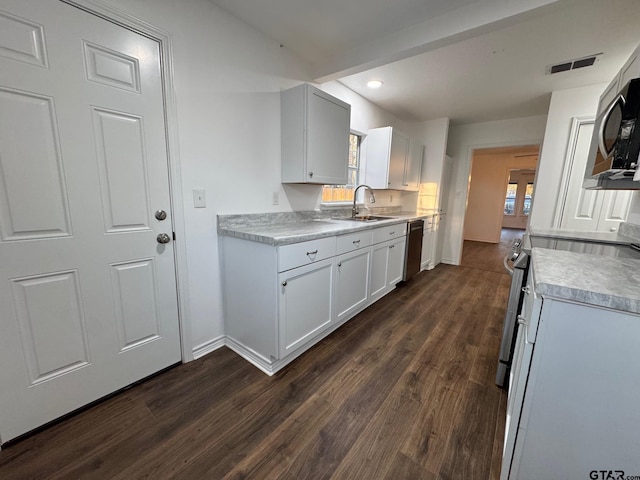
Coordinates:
(403, 391)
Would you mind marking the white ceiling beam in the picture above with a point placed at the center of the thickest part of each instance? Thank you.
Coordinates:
(461, 24)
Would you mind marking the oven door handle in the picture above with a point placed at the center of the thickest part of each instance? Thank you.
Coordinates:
(505, 262)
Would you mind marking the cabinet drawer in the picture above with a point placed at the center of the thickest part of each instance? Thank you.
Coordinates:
(304, 253)
(387, 233)
(353, 241)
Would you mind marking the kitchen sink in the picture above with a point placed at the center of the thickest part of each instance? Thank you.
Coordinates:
(365, 218)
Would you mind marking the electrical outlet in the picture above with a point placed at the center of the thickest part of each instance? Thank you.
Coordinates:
(199, 198)
(275, 198)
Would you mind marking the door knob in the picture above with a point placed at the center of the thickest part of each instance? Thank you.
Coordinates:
(163, 238)
(161, 215)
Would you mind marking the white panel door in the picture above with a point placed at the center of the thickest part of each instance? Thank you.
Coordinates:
(590, 210)
(88, 298)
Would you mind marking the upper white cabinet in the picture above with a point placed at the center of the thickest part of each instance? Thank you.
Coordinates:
(391, 163)
(315, 136)
(413, 170)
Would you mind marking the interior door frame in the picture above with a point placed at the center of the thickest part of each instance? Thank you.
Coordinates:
(125, 20)
(466, 169)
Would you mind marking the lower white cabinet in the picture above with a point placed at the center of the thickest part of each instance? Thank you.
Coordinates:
(352, 283)
(387, 264)
(279, 301)
(572, 409)
(305, 304)
(427, 244)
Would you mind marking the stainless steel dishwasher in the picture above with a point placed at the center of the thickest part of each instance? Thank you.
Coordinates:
(413, 252)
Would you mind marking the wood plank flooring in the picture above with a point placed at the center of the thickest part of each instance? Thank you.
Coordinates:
(403, 391)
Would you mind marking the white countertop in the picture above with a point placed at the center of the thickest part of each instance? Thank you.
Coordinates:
(597, 280)
(286, 228)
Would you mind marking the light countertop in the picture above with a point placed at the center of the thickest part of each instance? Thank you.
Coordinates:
(596, 280)
(293, 227)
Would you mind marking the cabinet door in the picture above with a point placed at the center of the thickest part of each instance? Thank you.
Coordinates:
(398, 158)
(395, 269)
(327, 139)
(379, 263)
(414, 167)
(352, 283)
(305, 304)
(427, 247)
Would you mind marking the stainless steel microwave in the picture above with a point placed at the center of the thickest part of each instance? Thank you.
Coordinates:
(615, 144)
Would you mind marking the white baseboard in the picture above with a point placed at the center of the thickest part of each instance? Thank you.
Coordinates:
(251, 356)
(208, 347)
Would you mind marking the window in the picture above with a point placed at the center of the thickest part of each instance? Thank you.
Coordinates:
(527, 199)
(344, 193)
(510, 200)
(517, 202)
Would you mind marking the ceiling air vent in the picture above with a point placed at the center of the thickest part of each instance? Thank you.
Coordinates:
(573, 64)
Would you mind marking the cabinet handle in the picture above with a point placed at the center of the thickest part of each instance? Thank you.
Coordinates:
(392, 233)
(391, 246)
(312, 253)
(340, 264)
(526, 289)
(522, 320)
(310, 174)
(355, 242)
(284, 284)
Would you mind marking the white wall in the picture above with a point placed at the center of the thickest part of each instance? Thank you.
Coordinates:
(463, 139)
(228, 79)
(565, 104)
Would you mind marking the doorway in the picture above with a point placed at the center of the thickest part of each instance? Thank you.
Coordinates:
(491, 170)
(518, 199)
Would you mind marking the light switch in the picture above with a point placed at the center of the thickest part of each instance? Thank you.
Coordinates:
(199, 198)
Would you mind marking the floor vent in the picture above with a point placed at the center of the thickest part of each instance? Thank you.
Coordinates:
(573, 64)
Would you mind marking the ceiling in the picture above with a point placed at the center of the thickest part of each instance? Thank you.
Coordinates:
(469, 60)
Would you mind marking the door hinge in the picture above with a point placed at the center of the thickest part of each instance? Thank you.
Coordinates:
(174, 236)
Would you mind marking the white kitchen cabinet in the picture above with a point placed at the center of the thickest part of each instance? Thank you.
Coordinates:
(379, 266)
(315, 129)
(427, 244)
(389, 163)
(306, 304)
(353, 264)
(413, 170)
(387, 260)
(395, 267)
(280, 300)
(352, 283)
(572, 405)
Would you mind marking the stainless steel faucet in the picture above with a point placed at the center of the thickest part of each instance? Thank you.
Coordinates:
(372, 199)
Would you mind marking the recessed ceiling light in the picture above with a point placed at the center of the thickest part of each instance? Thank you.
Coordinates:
(374, 83)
